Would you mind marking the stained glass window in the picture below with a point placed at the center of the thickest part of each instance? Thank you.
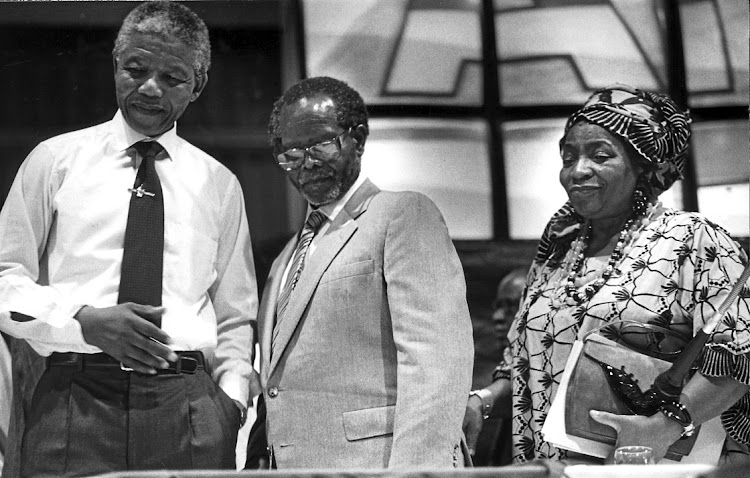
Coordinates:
(716, 39)
(721, 153)
(551, 55)
(396, 52)
(445, 159)
(559, 52)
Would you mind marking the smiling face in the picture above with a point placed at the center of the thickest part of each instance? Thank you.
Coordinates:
(309, 121)
(155, 82)
(597, 172)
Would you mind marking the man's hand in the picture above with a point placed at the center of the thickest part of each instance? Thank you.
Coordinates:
(473, 421)
(126, 333)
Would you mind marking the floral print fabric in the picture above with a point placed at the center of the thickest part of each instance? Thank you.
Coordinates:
(675, 275)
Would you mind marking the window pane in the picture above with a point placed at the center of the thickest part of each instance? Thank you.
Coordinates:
(721, 152)
(532, 166)
(560, 53)
(716, 42)
(728, 206)
(445, 159)
(393, 51)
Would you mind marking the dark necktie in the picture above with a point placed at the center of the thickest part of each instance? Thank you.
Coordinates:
(313, 223)
(143, 255)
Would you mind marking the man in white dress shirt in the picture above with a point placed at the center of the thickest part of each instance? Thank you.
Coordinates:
(131, 383)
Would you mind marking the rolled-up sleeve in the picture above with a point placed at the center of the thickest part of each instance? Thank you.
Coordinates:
(41, 315)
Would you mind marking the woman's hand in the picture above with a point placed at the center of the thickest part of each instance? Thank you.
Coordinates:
(704, 397)
(656, 431)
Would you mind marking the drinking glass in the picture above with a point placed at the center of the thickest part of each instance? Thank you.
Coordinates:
(634, 455)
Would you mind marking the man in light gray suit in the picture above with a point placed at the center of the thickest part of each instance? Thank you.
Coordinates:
(365, 336)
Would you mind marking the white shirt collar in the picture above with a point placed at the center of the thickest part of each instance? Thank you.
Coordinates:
(125, 136)
(332, 209)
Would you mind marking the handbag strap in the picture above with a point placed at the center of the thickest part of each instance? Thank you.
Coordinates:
(643, 337)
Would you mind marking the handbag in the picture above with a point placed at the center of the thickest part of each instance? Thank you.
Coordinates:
(590, 389)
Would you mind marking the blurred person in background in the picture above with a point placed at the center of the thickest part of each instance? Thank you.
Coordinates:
(505, 306)
(482, 402)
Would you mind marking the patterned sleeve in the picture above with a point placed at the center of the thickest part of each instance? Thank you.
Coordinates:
(504, 367)
(717, 262)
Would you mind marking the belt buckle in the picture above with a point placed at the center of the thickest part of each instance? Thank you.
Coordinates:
(186, 365)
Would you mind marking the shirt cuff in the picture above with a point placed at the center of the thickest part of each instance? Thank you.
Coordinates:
(236, 387)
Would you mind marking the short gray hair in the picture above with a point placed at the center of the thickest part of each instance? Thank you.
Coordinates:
(350, 107)
(169, 19)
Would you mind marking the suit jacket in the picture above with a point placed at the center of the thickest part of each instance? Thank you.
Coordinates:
(373, 361)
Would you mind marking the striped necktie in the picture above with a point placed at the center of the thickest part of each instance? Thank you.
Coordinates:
(313, 223)
(143, 252)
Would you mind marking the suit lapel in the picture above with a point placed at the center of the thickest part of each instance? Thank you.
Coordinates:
(327, 247)
(267, 311)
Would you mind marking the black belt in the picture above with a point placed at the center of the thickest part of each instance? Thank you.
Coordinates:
(187, 362)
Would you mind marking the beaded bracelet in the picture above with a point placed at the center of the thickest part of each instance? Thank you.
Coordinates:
(500, 373)
(678, 412)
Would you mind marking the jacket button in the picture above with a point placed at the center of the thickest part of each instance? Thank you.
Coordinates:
(273, 392)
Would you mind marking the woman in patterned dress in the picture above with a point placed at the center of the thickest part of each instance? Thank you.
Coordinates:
(613, 253)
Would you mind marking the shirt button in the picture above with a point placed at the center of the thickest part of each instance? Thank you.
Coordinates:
(273, 392)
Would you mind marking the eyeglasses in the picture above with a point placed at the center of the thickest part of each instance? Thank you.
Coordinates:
(319, 153)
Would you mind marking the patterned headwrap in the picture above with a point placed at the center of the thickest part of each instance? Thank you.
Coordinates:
(652, 124)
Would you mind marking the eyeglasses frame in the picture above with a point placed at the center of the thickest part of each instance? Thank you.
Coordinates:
(288, 165)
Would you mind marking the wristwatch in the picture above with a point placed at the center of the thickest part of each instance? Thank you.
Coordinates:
(678, 412)
(486, 398)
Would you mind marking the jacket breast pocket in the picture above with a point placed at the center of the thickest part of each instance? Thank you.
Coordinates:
(369, 422)
(364, 267)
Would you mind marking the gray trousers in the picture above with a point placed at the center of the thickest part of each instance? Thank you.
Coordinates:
(96, 421)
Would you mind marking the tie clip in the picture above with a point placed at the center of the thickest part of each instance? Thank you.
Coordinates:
(140, 192)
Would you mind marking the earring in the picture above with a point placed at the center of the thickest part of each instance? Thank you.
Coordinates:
(640, 202)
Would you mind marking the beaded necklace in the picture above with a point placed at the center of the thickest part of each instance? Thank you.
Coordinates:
(575, 259)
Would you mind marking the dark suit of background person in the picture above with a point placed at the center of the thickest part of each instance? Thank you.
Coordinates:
(61, 255)
(372, 360)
